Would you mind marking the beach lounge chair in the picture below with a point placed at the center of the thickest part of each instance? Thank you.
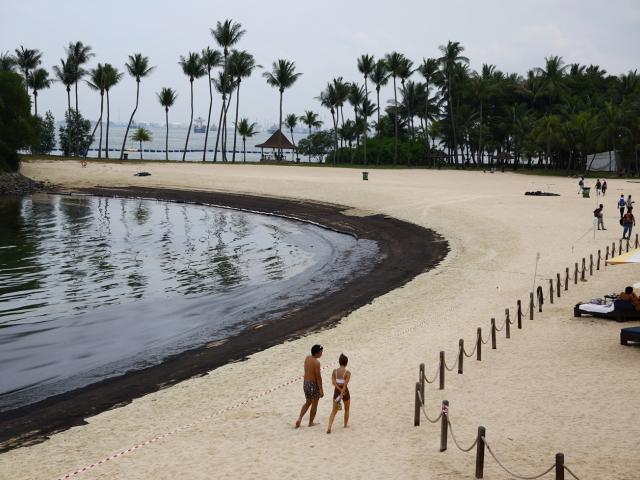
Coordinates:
(618, 310)
(631, 334)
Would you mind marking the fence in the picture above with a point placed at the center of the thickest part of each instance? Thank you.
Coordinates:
(535, 300)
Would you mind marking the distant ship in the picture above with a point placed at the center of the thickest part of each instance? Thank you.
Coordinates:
(199, 126)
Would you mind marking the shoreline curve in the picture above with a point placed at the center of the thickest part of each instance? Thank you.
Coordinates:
(409, 250)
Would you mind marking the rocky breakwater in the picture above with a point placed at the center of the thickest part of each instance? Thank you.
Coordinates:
(17, 184)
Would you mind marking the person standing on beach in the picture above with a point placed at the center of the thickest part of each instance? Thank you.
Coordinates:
(604, 187)
(340, 379)
(580, 185)
(598, 214)
(598, 187)
(628, 222)
(630, 202)
(312, 385)
(621, 205)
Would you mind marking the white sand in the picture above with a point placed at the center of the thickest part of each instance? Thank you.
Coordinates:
(559, 385)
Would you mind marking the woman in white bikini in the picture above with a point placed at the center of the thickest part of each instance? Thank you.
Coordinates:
(340, 379)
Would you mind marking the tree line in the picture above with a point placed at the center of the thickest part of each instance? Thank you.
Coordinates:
(556, 115)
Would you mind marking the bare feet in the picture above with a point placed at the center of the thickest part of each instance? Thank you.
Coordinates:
(313, 424)
(328, 432)
(298, 423)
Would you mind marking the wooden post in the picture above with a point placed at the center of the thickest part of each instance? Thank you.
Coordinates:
(590, 264)
(627, 245)
(584, 268)
(620, 247)
(575, 275)
(613, 249)
(606, 256)
(559, 466)
(416, 410)
(444, 427)
(551, 291)
(519, 314)
(540, 296)
(493, 333)
(531, 306)
(507, 323)
(460, 355)
(558, 285)
(635, 245)
(479, 343)
(599, 258)
(480, 453)
(442, 370)
(421, 380)
(566, 279)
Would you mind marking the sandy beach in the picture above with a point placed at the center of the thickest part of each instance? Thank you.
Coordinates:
(561, 384)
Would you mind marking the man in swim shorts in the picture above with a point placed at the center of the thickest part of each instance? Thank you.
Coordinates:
(312, 385)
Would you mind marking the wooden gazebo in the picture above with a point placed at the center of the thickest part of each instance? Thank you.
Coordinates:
(277, 141)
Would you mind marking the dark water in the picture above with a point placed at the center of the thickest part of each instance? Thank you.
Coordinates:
(93, 287)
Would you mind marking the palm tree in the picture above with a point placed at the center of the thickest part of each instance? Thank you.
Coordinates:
(430, 72)
(329, 99)
(356, 97)
(138, 67)
(379, 77)
(96, 82)
(141, 135)
(226, 35)
(282, 76)
(366, 66)
(291, 122)
(111, 77)
(483, 88)
(241, 65)
(38, 80)
(79, 55)
(552, 82)
(245, 129)
(396, 65)
(210, 59)
(224, 86)
(167, 97)
(192, 67)
(311, 120)
(27, 59)
(610, 126)
(7, 62)
(449, 61)
(65, 73)
(342, 95)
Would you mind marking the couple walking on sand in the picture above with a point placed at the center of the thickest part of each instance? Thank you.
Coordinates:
(313, 390)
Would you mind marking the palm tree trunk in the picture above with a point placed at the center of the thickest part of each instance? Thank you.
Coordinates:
(140, 149)
(453, 125)
(378, 105)
(206, 135)
(480, 142)
(395, 121)
(215, 153)
(335, 138)
(280, 122)
(235, 126)
(366, 120)
(184, 152)
(126, 133)
(101, 110)
(310, 143)
(223, 123)
(76, 95)
(166, 137)
(224, 132)
(106, 146)
(293, 152)
(95, 127)
(244, 149)
(68, 99)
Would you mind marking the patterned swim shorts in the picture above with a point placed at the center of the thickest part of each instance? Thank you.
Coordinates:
(311, 390)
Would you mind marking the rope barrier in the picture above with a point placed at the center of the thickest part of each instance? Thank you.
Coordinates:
(473, 352)
(520, 477)
(435, 376)
(501, 328)
(571, 473)
(454, 366)
(475, 442)
(425, 412)
(484, 342)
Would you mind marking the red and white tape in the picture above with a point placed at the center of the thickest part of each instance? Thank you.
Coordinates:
(182, 427)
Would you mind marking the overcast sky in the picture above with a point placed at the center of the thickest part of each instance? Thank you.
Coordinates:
(323, 38)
